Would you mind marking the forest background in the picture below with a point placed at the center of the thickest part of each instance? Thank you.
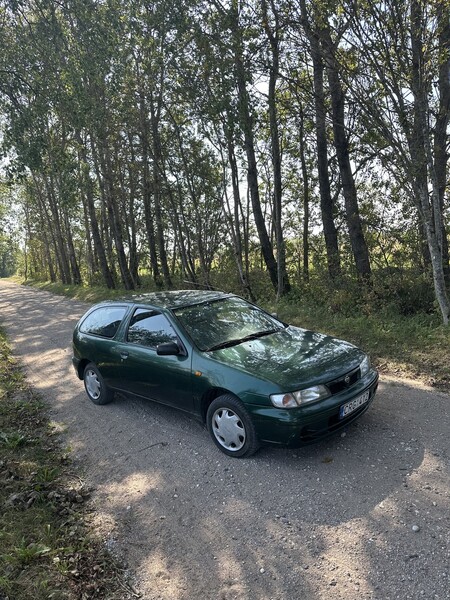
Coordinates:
(292, 151)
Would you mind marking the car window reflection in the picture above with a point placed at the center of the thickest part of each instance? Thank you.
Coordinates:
(149, 328)
(212, 324)
(103, 321)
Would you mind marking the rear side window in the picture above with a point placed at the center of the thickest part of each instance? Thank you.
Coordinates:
(104, 321)
(149, 328)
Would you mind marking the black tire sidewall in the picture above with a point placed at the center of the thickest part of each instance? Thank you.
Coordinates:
(106, 395)
(227, 401)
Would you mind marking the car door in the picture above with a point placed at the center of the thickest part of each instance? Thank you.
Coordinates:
(142, 371)
(95, 338)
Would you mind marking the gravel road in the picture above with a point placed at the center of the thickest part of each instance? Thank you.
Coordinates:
(365, 515)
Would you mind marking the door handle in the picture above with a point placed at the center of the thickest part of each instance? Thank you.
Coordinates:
(124, 355)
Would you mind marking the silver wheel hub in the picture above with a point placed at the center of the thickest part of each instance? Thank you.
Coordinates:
(228, 429)
(92, 384)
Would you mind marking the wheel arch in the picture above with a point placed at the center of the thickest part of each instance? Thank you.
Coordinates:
(210, 396)
(81, 367)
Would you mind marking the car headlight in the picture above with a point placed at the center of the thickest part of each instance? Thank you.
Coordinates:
(364, 366)
(293, 399)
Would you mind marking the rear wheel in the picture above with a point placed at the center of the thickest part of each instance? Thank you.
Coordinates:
(231, 427)
(95, 386)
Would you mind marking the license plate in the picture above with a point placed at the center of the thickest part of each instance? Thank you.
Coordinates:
(347, 409)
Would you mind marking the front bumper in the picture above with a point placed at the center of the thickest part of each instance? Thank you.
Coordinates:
(306, 424)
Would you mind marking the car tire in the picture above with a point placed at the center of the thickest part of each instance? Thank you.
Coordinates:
(231, 427)
(95, 386)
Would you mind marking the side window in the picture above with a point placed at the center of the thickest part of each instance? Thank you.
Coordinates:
(149, 328)
(104, 321)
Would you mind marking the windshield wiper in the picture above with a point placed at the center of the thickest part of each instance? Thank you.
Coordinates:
(227, 344)
(247, 338)
(259, 334)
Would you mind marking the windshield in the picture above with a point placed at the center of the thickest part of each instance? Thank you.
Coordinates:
(225, 322)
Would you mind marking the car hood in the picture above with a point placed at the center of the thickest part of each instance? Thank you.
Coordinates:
(293, 358)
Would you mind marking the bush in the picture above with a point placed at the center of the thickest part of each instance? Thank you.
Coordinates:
(404, 292)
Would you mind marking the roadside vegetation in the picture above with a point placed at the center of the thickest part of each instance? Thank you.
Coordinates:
(47, 549)
(395, 320)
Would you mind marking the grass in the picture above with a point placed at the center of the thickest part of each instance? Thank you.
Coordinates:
(416, 345)
(47, 546)
(84, 293)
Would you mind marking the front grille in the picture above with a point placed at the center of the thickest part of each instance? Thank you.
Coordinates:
(344, 382)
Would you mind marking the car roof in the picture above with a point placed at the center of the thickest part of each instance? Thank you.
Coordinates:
(175, 298)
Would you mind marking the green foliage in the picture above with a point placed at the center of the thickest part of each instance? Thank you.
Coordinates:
(128, 131)
(47, 474)
(403, 292)
(25, 553)
(12, 440)
(400, 292)
(9, 247)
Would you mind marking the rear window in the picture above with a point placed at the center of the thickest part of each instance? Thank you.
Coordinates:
(104, 321)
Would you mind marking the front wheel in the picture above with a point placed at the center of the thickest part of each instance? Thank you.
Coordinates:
(231, 427)
(95, 386)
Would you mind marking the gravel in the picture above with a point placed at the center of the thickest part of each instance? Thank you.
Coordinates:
(364, 515)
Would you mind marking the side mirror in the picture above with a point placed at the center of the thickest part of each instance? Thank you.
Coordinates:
(168, 349)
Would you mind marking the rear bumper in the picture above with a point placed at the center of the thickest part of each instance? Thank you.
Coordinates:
(305, 425)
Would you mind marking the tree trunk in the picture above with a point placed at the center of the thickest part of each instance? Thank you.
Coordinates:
(421, 153)
(246, 123)
(102, 159)
(185, 238)
(57, 232)
(274, 41)
(95, 230)
(305, 178)
(442, 120)
(47, 250)
(157, 189)
(235, 219)
(354, 225)
(326, 200)
(74, 267)
(146, 190)
(90, 256)
(187, 264)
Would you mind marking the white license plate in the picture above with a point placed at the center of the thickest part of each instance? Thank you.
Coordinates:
(347, 409)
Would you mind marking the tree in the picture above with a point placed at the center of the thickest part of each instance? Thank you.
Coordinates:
(395, 44)
(326, 199)
(273, 33)
(9, 249)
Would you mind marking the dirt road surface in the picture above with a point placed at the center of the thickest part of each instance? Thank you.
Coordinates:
(365, 515)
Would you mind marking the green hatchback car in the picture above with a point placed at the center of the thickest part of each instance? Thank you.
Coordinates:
(251, 378)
